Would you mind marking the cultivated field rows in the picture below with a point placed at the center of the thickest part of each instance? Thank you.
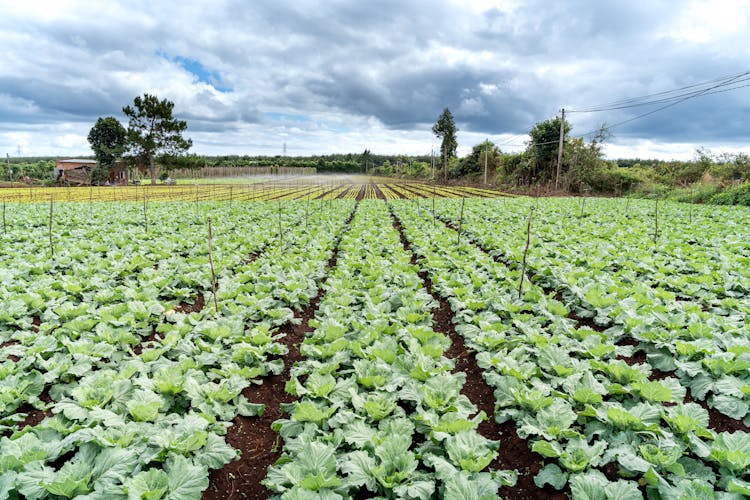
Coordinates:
(282, 188)
(368, 349)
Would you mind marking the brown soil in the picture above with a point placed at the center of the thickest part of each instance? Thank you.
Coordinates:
(343, 193)
(324, 194)
(259, 445)
(379, 193)
(197, 306)
(717, 420)
(361, 194)
(34, 416)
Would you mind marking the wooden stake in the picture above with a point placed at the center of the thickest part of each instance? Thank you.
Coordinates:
(51, 246)
(583, 205)
(460, 222)
(525, 252)
(4, 230)
(656, 219)
(145, 217)
(281, 237)
(627, 208)
(211, 262)
(434, 217)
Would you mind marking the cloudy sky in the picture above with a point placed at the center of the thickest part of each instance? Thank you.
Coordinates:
(342, 76)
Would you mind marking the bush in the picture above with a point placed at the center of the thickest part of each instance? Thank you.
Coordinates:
(737, 195)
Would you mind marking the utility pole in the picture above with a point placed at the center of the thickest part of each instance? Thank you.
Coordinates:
(486, 143)
(560, 149)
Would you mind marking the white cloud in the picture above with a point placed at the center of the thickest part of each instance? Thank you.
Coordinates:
(368, 74)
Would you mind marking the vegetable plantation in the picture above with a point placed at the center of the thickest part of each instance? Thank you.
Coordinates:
(298, 346)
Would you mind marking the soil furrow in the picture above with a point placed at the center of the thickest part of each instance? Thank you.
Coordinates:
(515, 452)
(259, 445)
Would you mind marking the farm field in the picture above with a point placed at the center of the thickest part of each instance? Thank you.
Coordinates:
(356, 344)
(252, 188)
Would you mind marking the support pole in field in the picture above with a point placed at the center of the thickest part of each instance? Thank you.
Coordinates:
(281, 237)
(560, 149)
(434, 217)
(583, 205)
(307, 208)
(211, 262)
(656, 219)
(230, 196)
(91, 196)
(627, 208)
(4, 230)
(145, 216)
(525, 253)
(691, 205)
(460, 222)
(51, 246)
(432, 162)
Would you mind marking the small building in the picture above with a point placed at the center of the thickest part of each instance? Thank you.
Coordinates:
(78, 171)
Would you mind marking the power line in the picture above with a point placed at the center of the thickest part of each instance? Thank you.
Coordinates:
(694, 90)
(674, 103)
(681, 94)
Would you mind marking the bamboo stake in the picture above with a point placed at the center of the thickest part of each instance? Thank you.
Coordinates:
(281, 237)
(583, 205)
(656, 219)
(307, 208)
(525, 253)
(460, 222)
(145, 217)
(51, 246)
(211, 262)
(4, 230)
(434, 217)
(627, 208)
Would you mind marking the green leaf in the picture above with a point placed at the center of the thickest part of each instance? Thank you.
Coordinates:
(144, 405)
(732, 450)
(653, 391)
(739, 486)
(151, 484)
(185, 479)
(71, 480)
(216, 453)
(547, 449)
(551, 474)
(471, 451)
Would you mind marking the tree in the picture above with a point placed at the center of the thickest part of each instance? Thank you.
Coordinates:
(108, 139)
(366, 159)
(153, 130)
(446, 129)
(474, 162)
(543, 149)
